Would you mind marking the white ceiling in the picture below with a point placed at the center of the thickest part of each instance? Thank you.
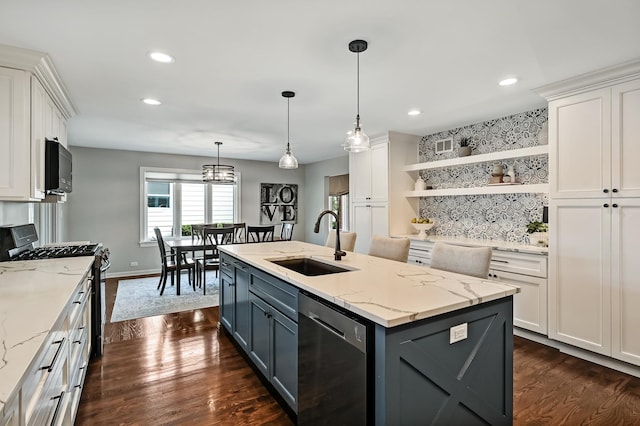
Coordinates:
(234, 58)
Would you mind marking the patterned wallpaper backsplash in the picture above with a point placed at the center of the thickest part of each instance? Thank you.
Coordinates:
(501, 216)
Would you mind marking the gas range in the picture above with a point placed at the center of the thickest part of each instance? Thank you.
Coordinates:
(58, 251)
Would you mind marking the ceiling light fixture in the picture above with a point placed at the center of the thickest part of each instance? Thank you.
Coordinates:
(150, 101)
(357, 140)
(288, 161)
(218, 173)
(508, 81)
(162, 57)
(414, 112)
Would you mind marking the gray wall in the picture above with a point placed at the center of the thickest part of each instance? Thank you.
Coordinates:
(105, 203)
(316, 187)
(14, 213)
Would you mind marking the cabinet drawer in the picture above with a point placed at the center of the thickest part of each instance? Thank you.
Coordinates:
(417, 260)
(279, 294)
(519, 263)
(226, 265)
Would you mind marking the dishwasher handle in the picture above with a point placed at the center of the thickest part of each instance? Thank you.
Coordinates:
(338, 324)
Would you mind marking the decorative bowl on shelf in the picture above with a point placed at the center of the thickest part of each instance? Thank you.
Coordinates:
(422, 228)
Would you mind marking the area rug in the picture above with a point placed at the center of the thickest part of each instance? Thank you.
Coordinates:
(139, 298)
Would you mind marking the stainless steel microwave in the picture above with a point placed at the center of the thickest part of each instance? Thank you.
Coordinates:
(57, 170)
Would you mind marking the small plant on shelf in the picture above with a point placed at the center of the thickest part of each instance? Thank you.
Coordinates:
(538, 233)
(465, 147)
(537, 227)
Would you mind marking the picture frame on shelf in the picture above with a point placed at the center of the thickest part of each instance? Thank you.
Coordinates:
(444, 145)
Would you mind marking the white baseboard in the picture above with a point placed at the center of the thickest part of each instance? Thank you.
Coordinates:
(132, 273)
(605, 361)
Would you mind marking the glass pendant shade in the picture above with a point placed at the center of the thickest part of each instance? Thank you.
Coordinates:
(357, 140)
(218, 173)
(288, 161)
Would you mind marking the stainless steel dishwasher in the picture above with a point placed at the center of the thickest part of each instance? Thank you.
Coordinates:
(332, 365)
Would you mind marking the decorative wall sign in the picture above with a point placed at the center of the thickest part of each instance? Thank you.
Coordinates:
(278, 203)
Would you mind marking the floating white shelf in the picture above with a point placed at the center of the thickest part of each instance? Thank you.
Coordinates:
(494, 189)
(480, 158)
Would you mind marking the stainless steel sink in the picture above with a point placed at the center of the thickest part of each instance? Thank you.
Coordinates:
(309, 267)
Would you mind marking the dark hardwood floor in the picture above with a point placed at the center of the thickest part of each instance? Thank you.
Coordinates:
(182, 369)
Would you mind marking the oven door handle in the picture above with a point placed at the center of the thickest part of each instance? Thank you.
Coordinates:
(105, 266)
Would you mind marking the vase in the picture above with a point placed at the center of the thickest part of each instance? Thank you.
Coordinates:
(464, 151)
(540, 239)
(420, 185)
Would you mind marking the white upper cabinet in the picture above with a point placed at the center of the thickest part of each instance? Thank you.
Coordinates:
(625, 139)
(33, 106)
(369, 172)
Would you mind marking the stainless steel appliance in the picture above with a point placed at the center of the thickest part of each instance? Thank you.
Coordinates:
(333, 365)
(16, 243)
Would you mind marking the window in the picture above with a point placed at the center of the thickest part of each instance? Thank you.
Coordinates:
(339, 201)
(172, 200)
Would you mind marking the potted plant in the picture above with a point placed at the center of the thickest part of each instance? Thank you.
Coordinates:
(465, 147)
(538, 235)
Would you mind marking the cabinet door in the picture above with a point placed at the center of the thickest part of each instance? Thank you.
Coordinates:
(241, 324)
(259, 346)
(379, 219)
(580, 145)
(625, 279)
(15, 179)
(360, 176)
(227, 302)
(284, 357)
(625, 139)
(39, 102)
(530, 305)
(361, 225)
(579, 274)
(379, 172)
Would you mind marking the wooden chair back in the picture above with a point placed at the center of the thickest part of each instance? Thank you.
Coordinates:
(259, 234)
(286, 231)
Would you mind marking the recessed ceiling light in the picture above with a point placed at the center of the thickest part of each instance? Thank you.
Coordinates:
(161, 57)
(414, 112)
(508, 81)
(150, 101)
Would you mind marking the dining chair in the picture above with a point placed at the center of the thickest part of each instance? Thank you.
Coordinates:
(210, 261)
(286, 231)
(347, 240)
(240, 232)
(259, 234)
(472, 261)
(169, 264)
(390, 248)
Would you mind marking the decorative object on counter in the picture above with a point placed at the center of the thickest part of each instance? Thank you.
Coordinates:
(278, 203)
(538, 235)
(357, 140)
(288, 161)
(420, 184)
(465, 147)
(218, 173)
(422, 225)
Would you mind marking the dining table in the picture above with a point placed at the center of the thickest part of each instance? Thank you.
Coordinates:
(178, 247)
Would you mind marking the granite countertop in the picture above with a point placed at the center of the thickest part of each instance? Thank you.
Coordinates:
(471, 242)
(33, 294)
(387, 292)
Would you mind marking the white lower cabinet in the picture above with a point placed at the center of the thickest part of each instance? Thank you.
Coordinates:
(367, 220)
(594, 285)
(50, 391)
(527, 271)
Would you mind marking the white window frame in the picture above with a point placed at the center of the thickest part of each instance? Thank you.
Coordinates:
(148, 242)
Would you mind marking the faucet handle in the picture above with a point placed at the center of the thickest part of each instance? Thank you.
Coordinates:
(339, 254)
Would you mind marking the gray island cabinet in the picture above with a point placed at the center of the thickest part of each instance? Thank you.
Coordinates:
(440, 345)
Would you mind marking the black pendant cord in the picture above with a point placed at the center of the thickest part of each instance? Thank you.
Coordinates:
(358, 91)
(288, 146)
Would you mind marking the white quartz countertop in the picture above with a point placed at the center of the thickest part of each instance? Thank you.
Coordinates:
(471, 242)
(33, 294)
(387, 292)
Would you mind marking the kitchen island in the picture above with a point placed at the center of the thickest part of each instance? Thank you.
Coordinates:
(439, 344)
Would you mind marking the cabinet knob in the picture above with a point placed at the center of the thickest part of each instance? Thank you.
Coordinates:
(606, 191)
(614, 190)
(614, 205)
(605, 205)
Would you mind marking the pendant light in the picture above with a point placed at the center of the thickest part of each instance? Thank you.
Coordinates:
(288, 161)
(357, 140)
(218, 173)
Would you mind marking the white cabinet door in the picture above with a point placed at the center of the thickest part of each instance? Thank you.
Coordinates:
(625, 279)
(39, 108)
(580, 145)
(369, 174)
(625, 139)
(579, 274)
(368, 219)
(15, 180)
(530, 305)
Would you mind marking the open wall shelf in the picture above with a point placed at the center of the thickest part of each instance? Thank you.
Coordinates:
(493, 189)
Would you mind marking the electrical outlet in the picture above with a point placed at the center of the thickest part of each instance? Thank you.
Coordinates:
(457, 333)
(133, 263)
